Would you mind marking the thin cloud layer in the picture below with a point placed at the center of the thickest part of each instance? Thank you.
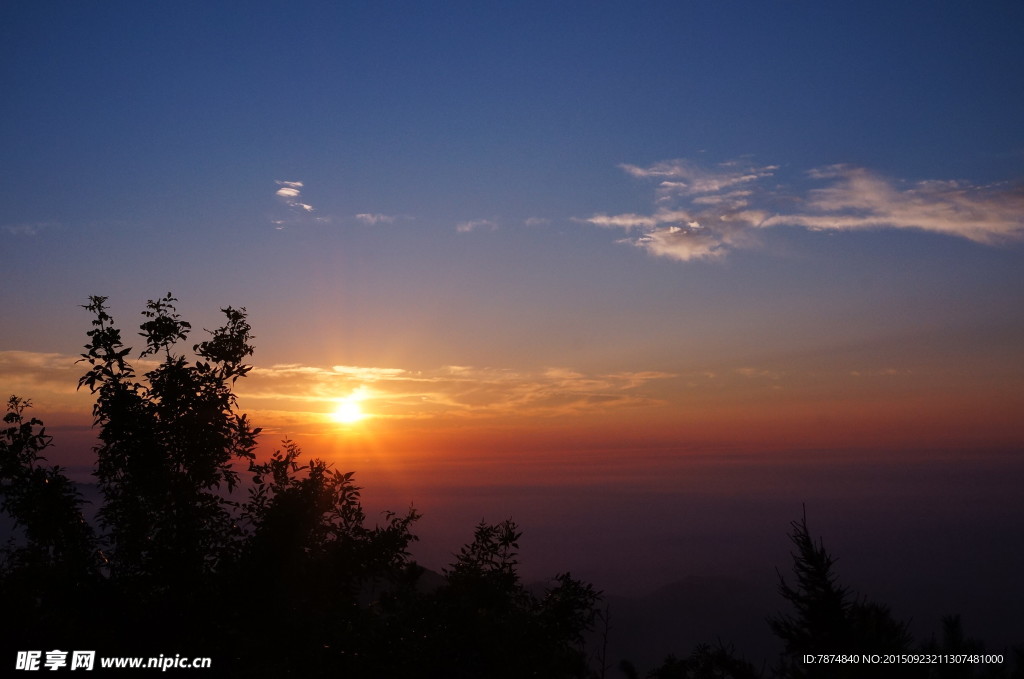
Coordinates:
(285, 397)
(296, 393)
(704, 213)
(27, 229)
(450, 391)
(49, 380)
(858, 199)
(683, 178)
(373, 218)
(475, 224)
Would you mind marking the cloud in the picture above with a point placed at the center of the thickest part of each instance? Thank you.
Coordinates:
(857, 199)
(27, 229)
(684, 243)
(683, 178)
(705, 213)
(289, 193)
(49, 370)
(672, 233)
(375, 218)
(49, 380)
(447, 391)
(762, 373)
(473, 225)
(368, 373)
(295, 392)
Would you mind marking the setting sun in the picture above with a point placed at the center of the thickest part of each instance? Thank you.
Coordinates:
(348, 410)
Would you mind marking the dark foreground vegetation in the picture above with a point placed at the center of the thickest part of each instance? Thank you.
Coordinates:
(272, 568)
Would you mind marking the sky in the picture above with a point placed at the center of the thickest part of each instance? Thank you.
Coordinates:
(562, 257)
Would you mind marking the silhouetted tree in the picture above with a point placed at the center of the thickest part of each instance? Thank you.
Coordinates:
(485, 623)
(955, 642)
(167, 444)
(42, 575)
(311, 564)
(826, 619)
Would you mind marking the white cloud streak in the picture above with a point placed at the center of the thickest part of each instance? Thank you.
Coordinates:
(373, 218)
(704, 213)
(858, 199)
(27, 229)
(290, 192)
(683, 178)
(476, 224)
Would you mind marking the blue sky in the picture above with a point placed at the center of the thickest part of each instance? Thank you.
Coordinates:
(518, 185)
(118, 110)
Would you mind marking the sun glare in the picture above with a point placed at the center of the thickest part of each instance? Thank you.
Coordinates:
(348, 410)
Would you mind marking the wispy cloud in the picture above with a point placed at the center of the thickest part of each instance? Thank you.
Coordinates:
(752, 373)
(375, 218)
(704, 213)
(387, 392)
(475, 224)
(19, 368)
(27, 229)
(50, 380)
(290, 194)
(857, 199)
(451, 391)
(683, 178)
(287, 391)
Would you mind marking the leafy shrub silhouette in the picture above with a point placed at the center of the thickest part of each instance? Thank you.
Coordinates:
(46, 576)
(493, 626)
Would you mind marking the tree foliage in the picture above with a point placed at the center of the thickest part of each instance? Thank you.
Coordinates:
(827, 618)
(45, 573)
(491, 625)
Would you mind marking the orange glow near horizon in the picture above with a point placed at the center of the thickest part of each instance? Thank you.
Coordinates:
(424, 421)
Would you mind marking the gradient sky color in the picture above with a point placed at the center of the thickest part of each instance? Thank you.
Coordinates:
(544, 243)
